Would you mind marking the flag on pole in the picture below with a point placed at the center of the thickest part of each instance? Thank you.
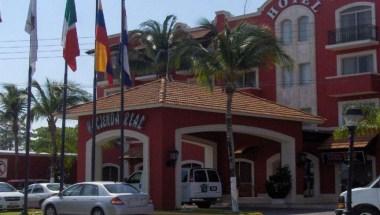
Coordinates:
(124, 49)
(70, 36)
(102, 51)
(31, 29)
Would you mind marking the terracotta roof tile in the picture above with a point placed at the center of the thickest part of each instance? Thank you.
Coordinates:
(190, 96)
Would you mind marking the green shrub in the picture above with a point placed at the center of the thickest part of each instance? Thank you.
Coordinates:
(278, 186)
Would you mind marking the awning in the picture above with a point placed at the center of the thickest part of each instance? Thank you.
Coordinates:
(360, 142)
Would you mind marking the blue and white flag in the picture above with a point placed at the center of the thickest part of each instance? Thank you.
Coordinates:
(124, 50)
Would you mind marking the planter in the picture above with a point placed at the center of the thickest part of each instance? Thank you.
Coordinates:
(278, 201)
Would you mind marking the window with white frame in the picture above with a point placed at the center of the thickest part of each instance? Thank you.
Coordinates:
(357, 63)
(286, 32)
(304, 73)
(303, 29)
(356, 16)
(356, 21)
(249, 79)
(287, 76)
(364, 104)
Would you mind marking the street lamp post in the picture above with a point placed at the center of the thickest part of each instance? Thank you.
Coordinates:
(352, 118)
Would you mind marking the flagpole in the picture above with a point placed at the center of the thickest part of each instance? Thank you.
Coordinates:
(63, 134)
(26, 161)
(122, 93)
(94, 107)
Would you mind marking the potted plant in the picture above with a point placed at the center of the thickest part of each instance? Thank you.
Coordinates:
(279, 184)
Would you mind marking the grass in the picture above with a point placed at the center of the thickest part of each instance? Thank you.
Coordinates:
(179, 212)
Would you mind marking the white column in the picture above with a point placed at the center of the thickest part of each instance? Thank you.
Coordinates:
(288, 158)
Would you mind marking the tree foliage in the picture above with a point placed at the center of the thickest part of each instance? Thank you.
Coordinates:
(48, 102)
(41, 140)
(369, 126)
(158, 44)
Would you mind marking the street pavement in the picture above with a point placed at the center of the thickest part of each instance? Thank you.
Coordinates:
(274, 211)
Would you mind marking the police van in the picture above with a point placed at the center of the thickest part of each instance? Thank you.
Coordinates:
(200, 186)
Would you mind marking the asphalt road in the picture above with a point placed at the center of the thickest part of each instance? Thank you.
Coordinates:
(273, 211)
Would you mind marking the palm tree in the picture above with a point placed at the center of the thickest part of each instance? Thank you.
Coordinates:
(13, 105)
(227, 56)
(158, 44)
(47, 102)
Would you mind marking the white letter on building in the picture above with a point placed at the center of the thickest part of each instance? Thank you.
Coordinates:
(272, 13)
(282, 3)
(315, 6)
(306, 2)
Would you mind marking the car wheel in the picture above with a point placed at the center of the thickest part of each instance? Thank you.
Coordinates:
(97, 211)
(366, 211)
(50, 210)
(203, 204)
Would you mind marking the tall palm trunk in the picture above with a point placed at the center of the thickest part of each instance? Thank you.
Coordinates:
(231, 148)
(15, 129)
(53, 135)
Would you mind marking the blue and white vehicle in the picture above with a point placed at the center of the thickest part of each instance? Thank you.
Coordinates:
(10, 198)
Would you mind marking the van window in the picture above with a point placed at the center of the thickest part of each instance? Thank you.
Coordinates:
(212, 176)
(135, 178)
(185, 173)
(200, 176)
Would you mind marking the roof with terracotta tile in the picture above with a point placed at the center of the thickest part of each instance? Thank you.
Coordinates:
(175, 94)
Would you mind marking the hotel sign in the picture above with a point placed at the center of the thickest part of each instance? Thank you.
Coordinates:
(281, 4)
(110, 120)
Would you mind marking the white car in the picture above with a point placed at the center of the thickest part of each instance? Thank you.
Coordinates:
(10, 198)
(37, 193)
(98, 198)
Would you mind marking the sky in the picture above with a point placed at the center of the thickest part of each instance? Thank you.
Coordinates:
(14, 41)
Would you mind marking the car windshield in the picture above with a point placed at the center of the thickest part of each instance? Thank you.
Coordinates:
(7, 188)
(53, 187)
(120, 188)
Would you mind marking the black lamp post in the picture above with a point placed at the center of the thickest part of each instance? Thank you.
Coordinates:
(352, 117)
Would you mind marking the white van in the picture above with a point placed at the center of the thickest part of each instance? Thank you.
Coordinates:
(365, 200)
(200, 186)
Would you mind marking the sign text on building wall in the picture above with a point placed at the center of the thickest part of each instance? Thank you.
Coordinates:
(281, 4)
(109, 120)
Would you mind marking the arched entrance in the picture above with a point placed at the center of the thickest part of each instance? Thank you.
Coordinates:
(287, 149)
(102, 139)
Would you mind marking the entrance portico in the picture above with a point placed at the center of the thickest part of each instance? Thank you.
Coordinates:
(182, 117)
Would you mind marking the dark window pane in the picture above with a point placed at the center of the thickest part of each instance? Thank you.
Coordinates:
(303, 28)
(73, 190)
(90, 190)
(53, 187)
(212, 176)
(6, 188)
(120, 188)
(365, 64)
(200, 176)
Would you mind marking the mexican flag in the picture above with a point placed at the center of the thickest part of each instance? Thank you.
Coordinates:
(69, 36)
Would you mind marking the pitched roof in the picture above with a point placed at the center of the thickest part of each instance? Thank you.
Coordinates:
(175, 94)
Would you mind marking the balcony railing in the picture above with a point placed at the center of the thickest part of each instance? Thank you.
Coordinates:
(352, 34)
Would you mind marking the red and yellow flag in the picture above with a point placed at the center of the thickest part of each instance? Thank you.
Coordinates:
(102, 51)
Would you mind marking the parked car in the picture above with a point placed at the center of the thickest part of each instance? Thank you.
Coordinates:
(365, 200)
(37, 193)
(19, 184)
(98, 198)
(10, 198)
(200, 186)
